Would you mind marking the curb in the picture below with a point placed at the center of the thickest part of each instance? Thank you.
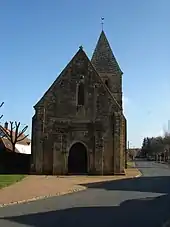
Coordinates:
(70, 191)
(43, 197)
(139, 175)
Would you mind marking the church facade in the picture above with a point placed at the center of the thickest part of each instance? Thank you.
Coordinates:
(79, 126)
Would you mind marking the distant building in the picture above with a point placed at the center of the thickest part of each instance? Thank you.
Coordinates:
(23, 146)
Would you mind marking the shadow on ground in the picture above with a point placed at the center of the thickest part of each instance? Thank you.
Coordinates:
(133, 213)
(159, 184)
(147, 212)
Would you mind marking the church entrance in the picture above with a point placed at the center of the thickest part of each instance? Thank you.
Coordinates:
(77, 159)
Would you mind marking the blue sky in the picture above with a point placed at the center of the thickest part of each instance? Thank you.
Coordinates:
(38, 38)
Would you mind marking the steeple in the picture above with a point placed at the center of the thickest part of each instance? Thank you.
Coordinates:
(107, 67)
(103, 58)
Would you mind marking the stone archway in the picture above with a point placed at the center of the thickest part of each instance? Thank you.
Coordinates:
(77, 159)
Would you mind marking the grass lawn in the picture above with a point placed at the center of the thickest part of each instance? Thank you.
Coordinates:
(8, 179)
(130, 164)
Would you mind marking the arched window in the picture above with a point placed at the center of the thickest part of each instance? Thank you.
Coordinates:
(81, 94)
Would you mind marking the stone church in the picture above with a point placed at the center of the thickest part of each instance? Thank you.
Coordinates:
(79, 126)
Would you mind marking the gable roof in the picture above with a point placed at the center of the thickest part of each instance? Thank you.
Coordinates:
(79, 53)
(57, 79)
(103, 58)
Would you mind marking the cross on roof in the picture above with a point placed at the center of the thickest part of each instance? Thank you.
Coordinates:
(102, 19)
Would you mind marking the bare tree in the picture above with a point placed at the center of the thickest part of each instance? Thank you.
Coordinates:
(14, 136)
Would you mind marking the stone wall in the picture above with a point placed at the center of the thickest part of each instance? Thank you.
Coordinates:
(124, 142)
(59, 122)
(114, 83)
(96, 141)
(119, 143)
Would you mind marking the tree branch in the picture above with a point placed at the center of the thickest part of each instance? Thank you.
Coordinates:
(11, 132)
(23, 138)
(0, 107)
(5, 133)
(1, 104)
(22, 131)
(14, 136)
(16, 130)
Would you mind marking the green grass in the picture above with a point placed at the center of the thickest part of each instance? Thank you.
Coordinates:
(8, 179)
(130, 164)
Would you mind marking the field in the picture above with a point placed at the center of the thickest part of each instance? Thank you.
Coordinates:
(8, 179)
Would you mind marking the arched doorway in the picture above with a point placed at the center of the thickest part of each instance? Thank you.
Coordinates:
(77, 159)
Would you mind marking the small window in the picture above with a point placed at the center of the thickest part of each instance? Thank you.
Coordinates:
(81, 94)
(106, 82)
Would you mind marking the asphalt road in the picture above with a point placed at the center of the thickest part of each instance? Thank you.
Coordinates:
(139, 202)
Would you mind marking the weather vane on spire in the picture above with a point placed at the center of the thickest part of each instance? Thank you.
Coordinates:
(102, 19)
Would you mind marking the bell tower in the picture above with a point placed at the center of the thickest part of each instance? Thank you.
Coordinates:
(107, 67)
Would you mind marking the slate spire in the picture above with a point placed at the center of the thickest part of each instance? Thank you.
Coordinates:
(103, 58)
